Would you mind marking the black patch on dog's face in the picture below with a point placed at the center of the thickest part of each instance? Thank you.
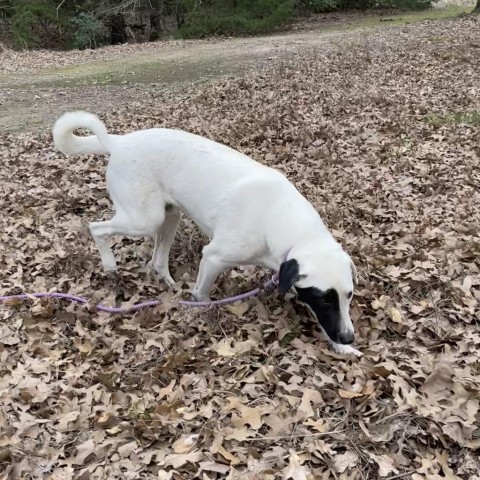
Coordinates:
(326, 307)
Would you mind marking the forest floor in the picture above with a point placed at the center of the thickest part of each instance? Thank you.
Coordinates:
(381, 132)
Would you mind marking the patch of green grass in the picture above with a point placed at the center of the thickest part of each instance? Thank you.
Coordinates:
(455, 118)
(439, 39)
(102, 78)
(405, 18)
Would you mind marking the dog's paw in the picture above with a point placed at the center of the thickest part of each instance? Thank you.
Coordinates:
(169, 280)
(197, 297)
(161, 275)
(345, 349)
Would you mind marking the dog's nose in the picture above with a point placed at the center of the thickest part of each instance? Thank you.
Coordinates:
(346, 338)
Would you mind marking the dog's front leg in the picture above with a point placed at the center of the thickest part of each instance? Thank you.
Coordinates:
(210, 268)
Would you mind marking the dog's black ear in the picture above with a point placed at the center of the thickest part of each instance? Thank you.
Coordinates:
(289, 273)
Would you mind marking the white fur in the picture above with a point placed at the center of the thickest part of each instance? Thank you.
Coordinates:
(252, 213)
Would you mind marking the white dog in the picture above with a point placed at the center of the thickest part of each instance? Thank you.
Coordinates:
(252, 214)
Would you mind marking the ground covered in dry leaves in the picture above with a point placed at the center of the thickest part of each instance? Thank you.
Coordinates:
(383, 137)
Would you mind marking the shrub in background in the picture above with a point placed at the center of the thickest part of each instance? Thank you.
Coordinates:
(317, 6)
(240, 17)
(88, 31)
(35, 24)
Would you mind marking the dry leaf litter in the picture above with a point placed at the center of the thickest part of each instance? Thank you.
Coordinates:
(251, 391)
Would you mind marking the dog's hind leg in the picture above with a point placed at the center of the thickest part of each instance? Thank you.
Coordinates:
(139, 207)
(101, 231)
(163, 242)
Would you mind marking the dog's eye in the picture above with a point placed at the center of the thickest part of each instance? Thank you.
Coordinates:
(349, 295)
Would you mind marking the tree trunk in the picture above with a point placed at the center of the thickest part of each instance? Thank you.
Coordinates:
(155, 22)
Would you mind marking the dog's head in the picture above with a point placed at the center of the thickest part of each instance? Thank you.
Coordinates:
(324, 282)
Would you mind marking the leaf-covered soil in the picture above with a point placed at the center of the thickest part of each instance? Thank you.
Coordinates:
(382, 136)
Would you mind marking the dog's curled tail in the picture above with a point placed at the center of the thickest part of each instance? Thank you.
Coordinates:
(67, 142)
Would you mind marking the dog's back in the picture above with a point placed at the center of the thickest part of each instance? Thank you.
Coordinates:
(162, 166)
(185, 166)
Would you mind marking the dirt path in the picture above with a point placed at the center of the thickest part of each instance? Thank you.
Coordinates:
(32, 97)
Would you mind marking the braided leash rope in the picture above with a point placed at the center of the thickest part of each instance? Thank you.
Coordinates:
(140, 306)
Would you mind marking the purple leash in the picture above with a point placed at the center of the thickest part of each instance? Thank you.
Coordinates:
(140, 306)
